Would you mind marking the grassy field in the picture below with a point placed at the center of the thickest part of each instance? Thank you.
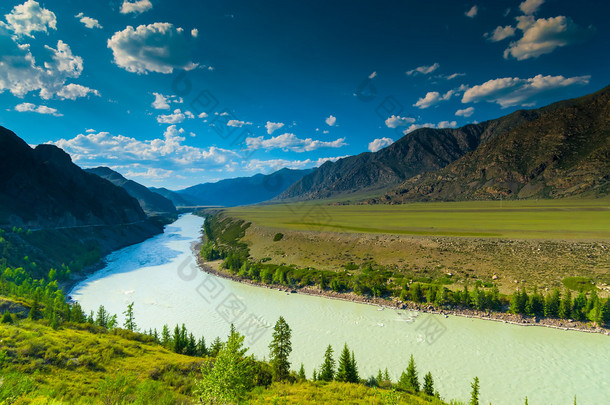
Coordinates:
(512, 243)
(543, 219)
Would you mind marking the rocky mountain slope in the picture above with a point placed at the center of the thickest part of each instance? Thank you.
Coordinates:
(563, 152)
(152, 203)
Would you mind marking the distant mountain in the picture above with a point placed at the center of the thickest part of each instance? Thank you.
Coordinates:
(420, 151)
(41, 187)
(174, 197)
(243, 190)
(563, 152)
(151, 202)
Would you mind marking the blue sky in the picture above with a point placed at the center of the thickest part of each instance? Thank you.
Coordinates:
(171, 93)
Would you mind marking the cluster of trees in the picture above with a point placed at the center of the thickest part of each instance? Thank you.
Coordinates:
(555, 305)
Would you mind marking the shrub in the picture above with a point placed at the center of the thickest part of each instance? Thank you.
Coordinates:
(278, 237)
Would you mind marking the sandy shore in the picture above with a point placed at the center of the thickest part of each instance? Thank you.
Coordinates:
(505, 317)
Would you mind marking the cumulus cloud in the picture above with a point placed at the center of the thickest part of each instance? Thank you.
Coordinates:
(29, 17)
(157, 47)
(466, 112)
(500, 33)
(136, 7)
(195, 34)
(169, 152)
(440, 125)
(510, 91)
(40, 109)
(73, 91)
(88, 21)
(530, 6)
(373, 75)
(20, 74)
(472, 12)
(424, 70)
(396, 121)
(237, 123)
(161, 102)
(176, 118)
(273, 126)
(290, 142)
(544, 35)
(380, 143)
(331, 121)
(433, 97)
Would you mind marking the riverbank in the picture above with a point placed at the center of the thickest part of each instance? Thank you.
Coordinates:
(394, 303)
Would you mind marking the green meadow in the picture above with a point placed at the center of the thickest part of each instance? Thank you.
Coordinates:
(531, 219)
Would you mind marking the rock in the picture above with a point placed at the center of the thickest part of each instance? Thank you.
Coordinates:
(494, 277)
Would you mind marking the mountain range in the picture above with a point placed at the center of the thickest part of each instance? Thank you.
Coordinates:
(558, 150)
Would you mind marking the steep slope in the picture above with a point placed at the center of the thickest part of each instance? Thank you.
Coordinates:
(564, 152)
(151, 202)
(41, 187)
(420, 151)
(243, 190)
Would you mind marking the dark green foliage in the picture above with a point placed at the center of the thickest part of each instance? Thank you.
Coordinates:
(474, 396)
(6, 318)
(278, 237)
(408, 379)
(302, 377)
(327, 370)
(565, 307)
(347, 370)
(428, 384)
(551, 304)
(280, 349)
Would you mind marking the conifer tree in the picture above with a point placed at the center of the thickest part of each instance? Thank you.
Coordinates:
(474, 396)
(302, 376)
(327, 370)
(130, 322)
(565, 308)
(280, 348)
(428, 384)
(408, 379)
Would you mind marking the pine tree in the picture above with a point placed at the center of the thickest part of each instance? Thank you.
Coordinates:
(130, 323)
(551, 305)
(35, 309)
(605, 313)
(202, 350)
(166, 339)
(102, 317)
(76, 313)
(280, 348)
(408, 379)
(565, 308)
(302, 376)
(344, 370)
(191, 346)
(579, 307)
(428, 384)
(353, 376)
(474, 396)
(178, 342)
(327, 371)
(216, 346)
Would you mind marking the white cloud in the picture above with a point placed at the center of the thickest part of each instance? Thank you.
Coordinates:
(331, 121)
(195, 34)
(73, 91)
(424, 70)
(203, 115)
(90, 130)
(168, 152)
(189, 115)
(88, 21)
(472, 12)
(40, 109)
(176, 118)
(432, 98)
(510, 91)
(290, 142)
(136, 6)
(500, 33)
(158, 47)
(530, 6)
(373, 75)
(440, 125)
(161, 102)
(20, 74)
(544, 35)
(380, 143)
(466, 112)
(237, 123)
(273, 126)
(30, 17)
(453, 76)
(396, 121)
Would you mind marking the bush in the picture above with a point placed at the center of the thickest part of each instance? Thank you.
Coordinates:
(278, 237)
